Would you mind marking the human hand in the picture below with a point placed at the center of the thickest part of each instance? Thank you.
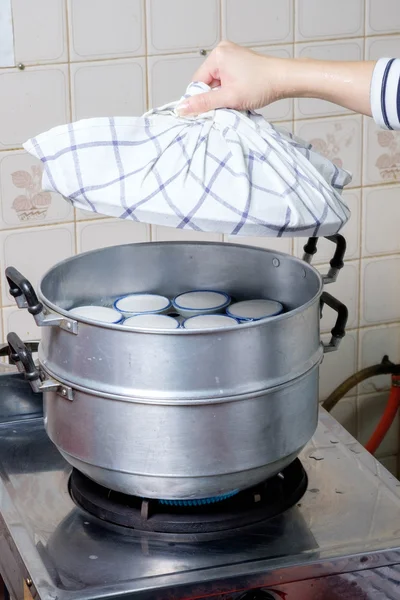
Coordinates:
(244, 80)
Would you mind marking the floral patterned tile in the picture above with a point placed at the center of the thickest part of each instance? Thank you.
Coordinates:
(23, 202)
(381, 154)
(338, 139)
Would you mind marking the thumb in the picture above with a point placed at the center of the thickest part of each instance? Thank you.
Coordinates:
(201, 103)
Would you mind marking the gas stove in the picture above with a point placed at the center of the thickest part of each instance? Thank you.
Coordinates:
(63, 538)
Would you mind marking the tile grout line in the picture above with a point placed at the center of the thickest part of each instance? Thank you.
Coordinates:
(56, 223)
(67, 27)
(144, 4)
(145, 18)
(360, 266)
(255, 45)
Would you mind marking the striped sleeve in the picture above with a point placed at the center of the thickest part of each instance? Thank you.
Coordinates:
(385, 93)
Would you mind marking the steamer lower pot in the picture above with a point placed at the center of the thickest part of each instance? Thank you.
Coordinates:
(179, 413)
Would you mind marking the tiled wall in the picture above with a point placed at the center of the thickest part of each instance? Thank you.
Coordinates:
(87, 58)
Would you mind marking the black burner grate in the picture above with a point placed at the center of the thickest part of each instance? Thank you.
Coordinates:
(261, 502)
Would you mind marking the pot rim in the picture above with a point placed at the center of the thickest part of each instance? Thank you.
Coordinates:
(181, 331)
(313, 363)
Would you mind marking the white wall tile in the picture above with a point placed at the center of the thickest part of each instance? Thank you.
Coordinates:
(287, 126)
(39, 31)
(181, 26)
(381, 154)
(110, 232)
(258, 21)
(105, 28)
(381, 217)
(169, 234)
(7, 57)
(376, 47)
(380, 290)
(345, 412)
(306, 108)
(87, 215)
(35, 100)
(33, 251)
(375, 343)
(344, 289)
(339, 139)
(169, 76)
(22, 201)
(108, 88)
(338, 366)
(383, 16)
(351, 233)
(283, 109)
(20, 322)
(278, 244)
(370, 410)
(326, 19)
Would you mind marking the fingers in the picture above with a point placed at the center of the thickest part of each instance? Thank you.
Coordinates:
(208, 71)
(196, 105)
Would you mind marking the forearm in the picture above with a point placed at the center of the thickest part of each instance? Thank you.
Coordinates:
(246, 80)
(347, 84)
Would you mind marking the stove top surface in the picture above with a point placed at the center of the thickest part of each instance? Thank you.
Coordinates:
(348, 517)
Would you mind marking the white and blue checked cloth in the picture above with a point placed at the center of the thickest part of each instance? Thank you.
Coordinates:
(224, 171)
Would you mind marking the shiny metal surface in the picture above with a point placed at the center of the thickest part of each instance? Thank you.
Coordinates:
(154, 449)
(181, 413)
(345, 530)
(182, 364)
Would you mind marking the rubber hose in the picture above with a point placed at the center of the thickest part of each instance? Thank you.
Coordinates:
(384, 368)
(387, 418)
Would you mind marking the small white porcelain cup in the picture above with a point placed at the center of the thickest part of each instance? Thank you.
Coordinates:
(200, 302)
(142, 303)
(254, 310)
(151, 321)
(102, 314)
(209, 322)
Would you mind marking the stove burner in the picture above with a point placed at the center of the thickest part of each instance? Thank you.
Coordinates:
(199, 501)
(263, 501)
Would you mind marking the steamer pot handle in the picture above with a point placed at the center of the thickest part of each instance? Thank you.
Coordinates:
(21, 289)
(337, 261)
(339, 330)
(25, 296)
(21, 356)
(33, 346)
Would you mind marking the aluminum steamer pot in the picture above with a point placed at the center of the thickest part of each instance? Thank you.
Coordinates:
(179, 414)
